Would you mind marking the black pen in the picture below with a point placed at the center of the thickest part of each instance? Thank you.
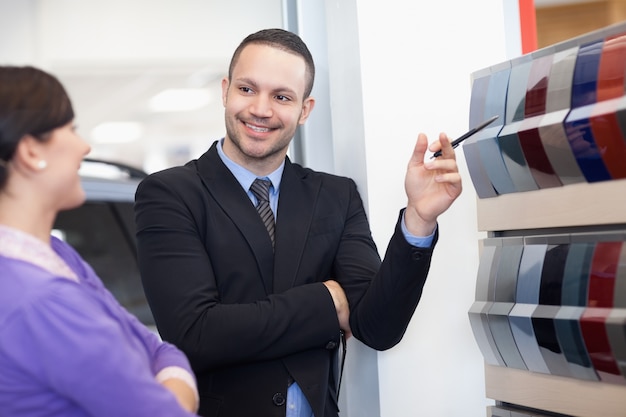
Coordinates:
(478, 128)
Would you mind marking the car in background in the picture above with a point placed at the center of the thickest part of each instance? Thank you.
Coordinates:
(102, 231)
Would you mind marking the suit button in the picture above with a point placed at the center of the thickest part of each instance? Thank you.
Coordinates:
(278, 399)
(417, 255)
(331, 345)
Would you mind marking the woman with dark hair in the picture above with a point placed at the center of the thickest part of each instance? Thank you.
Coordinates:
(67, 348)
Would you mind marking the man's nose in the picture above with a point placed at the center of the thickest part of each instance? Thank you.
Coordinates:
(261, 106)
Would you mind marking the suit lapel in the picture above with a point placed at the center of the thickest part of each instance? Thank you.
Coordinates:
(233, 200)
(296, 204)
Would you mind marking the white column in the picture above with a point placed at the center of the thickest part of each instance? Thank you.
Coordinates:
(416, 61)
(397, 68)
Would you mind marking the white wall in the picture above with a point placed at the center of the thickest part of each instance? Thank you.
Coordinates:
(415, 60)
(18, 32)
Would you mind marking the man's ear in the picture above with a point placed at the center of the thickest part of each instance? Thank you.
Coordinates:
(307, 108)
(225, 85)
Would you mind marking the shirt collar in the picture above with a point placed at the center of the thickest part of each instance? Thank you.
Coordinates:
(22, 246)
(244, 176)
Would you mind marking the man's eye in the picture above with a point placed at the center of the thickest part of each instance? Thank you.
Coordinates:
(245, 89)
(282, 98)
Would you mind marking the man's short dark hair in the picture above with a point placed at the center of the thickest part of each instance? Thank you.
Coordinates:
(284, 40)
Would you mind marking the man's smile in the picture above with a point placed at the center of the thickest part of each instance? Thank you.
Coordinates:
(259, 129)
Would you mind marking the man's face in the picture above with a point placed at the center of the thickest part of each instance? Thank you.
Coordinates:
(264, 104)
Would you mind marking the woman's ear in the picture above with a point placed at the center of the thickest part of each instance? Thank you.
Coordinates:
(29, 154)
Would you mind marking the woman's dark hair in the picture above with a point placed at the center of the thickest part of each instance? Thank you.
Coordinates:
(281, 39)
(32, 102)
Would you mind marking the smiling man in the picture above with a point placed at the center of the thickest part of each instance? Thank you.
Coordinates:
(266, 97)
(254, 266)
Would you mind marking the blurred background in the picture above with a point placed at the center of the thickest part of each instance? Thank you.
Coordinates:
(144, 75)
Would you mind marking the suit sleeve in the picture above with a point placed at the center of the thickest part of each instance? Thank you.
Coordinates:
(183, 292)
(382, 297)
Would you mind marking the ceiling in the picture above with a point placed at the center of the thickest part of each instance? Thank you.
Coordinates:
(114, 56)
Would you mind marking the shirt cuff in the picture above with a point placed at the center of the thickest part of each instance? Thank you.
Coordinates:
(178, 373)
(417, 241)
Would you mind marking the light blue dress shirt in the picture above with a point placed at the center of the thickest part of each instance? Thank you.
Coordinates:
(297, 404)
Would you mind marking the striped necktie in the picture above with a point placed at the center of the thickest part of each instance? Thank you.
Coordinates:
(261, 190)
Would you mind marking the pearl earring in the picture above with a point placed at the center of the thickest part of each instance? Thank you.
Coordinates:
(42, 165)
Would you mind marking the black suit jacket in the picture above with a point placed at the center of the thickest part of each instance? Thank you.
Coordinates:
(249, 317)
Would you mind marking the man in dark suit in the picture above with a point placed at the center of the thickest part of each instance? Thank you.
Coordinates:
(257, 302)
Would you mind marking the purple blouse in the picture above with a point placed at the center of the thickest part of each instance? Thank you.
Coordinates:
(67, 347)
